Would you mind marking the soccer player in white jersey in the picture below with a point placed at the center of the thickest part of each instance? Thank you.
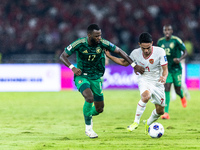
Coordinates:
(151, 82)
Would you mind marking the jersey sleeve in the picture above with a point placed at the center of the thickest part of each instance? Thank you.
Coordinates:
(181, 45)
(108, 45)
(71, 48)
(132, 55)
(163, 58)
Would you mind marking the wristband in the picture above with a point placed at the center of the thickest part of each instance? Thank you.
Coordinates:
(133, 64)
(71, 66)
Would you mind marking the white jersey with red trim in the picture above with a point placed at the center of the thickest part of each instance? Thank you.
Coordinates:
(153, 64)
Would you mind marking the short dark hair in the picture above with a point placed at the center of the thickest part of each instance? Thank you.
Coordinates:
(92, 27)
(145, 38)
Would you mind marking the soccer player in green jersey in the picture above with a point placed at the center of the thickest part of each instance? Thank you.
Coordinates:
(175, 52)
(90, 68)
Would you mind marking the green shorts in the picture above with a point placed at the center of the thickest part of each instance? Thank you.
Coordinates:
(175, 78)
(83, 83)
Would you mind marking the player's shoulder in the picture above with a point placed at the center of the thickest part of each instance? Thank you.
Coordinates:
(79, 41)
(176, 38)
(161, 39)
(107, 44)
(136, 50)
(104, 41)
(158, 49)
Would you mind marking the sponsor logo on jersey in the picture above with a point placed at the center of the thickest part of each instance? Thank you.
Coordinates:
(151, 61)
(85, 51)
(69, 47)
(80, 81)
(140, 63)
(98, 50)
(171, 45)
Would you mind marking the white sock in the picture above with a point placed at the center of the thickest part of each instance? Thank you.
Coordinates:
(173, 93)
(154, 116)
(87, 127)
(185, 91)
(140, 109)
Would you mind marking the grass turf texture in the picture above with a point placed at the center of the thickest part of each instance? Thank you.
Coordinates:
(54, 120)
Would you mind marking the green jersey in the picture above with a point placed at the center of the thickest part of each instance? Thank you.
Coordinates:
(173, 48)
(90, 59)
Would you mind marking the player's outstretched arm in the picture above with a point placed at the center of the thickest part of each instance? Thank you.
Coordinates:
(64, 58)
(119, 61)
(136, 67)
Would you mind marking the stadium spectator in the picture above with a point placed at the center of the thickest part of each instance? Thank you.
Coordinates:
(40, 27)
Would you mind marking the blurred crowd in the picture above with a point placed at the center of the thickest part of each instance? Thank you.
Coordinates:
(46, 27)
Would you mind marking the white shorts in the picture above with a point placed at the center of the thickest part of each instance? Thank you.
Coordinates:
(157, 91)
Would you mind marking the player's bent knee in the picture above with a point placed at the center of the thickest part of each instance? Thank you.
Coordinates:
(146, 95)
(160, 112)
(145, 99)
(99, 110)
(89, 99)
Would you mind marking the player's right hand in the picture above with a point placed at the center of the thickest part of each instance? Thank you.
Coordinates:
(176, 60)
(77, 71)
(139, 69)
(162, 79)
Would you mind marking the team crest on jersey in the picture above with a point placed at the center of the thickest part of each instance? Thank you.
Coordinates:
(98, 50)
(151, 61)
(80, 81)
(171, 45)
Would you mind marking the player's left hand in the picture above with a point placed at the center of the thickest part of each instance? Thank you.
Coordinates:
(162, 79)
(176, 60)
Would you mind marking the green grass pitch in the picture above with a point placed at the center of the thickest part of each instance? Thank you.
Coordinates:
(54, 121)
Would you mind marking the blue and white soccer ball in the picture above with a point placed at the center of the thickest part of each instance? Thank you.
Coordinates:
(156, 130)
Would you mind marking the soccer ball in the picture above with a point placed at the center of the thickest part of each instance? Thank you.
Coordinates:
(156, 130)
